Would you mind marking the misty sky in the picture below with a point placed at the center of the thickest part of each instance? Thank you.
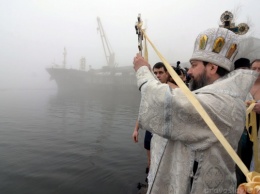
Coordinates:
(34, 32)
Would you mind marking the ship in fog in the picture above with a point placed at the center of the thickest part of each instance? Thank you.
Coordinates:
(111, 78)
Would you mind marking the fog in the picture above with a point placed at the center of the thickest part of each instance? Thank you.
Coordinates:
(34, 32)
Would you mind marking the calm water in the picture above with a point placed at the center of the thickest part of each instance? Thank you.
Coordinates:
(55, 143)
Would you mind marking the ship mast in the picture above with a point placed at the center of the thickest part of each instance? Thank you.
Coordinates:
(110, 55)
(64, 58)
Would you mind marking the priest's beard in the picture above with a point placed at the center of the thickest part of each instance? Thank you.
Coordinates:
(199, 82)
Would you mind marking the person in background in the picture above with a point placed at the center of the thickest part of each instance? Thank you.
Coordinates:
(242, 63)
(189, 158)
(255, 92)
(244, 149)
(181, 73)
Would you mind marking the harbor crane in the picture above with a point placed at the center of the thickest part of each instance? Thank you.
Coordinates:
(109, 54)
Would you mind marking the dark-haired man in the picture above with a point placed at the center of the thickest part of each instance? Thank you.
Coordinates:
(190, 159)
(244, 149)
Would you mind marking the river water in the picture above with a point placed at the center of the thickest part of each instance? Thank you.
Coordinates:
(53, 143)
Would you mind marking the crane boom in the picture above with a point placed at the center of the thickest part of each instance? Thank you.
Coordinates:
(109, 54)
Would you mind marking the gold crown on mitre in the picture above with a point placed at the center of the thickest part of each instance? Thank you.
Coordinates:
(218, 46)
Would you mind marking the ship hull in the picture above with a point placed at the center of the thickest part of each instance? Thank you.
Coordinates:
(119, 81)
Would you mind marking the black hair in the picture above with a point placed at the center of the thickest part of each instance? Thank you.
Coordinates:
(159, 65)
(242, 63)
(220, 71)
